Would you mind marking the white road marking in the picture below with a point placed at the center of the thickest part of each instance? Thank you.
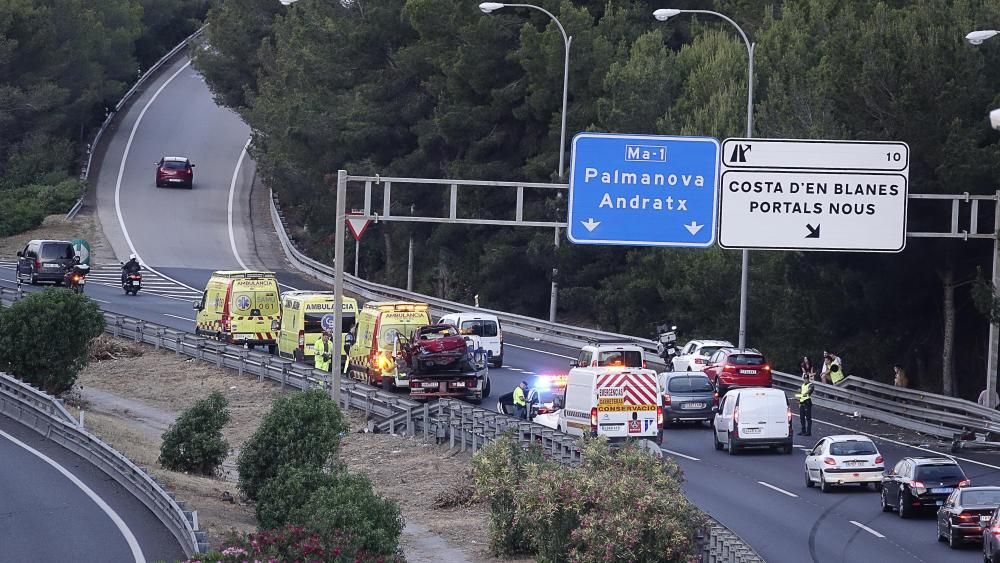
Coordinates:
(780, 490)
(679, 454)
(528, 372)
(99, 300)
(287, 286)
(898, 443)
(515, 369)
(133, 544)
(179, 317)
(539, 351)
(232, 192)
(121, 172)
(867, 529)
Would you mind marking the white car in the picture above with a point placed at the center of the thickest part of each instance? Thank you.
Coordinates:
(695, 354)
(844, 459)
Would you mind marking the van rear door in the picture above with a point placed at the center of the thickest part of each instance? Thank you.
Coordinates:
(255, 310)
(762, 414)
(627, 403)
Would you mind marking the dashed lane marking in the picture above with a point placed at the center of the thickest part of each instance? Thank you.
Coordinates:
(679, 454)
(867, 529)
(779, 489)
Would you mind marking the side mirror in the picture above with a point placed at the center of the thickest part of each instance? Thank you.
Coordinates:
(715, 410)
(197, 305)
(20, 254)
(573, 364)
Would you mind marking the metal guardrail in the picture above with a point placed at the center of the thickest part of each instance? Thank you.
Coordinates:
(46, 415)
(92, 147)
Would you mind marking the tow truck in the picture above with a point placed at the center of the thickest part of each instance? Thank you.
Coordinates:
(440, 362)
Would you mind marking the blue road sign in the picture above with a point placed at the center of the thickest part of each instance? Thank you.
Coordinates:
(643, 190)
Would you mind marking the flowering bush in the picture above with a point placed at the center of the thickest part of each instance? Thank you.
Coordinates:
(620, 504)
(293, 543)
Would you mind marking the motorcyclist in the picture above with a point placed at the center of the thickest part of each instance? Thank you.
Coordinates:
(130, 267)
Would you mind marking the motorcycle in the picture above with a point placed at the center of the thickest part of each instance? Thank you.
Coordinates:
(132, 282)
(666, 338)
(76, 277)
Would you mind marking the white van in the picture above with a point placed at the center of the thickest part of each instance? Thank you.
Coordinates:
(486, 328)
(615, 402)
(753, 417)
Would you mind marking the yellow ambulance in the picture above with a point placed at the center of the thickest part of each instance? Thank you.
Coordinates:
(240, 307)
(371, 355)
(305, 316)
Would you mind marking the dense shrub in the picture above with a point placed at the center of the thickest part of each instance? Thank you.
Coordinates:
(25, 207)
(300, 430)
(621, 504)
(194, 442)
(293, 543)
(290, 489)
(44, 337)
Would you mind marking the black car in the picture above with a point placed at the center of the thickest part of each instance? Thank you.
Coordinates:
(921, 483)
(966, 512)
(991, 538)
(45, 260)
(688, 396)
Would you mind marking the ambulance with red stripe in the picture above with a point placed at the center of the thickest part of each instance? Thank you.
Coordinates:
(240, 307)
(610, 392)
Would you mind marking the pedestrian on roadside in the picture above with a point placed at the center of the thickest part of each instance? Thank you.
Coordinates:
(984, 397)
(807, 366)
(520, 404)
(829, 360)
(323, 353)
(805, 404)
(836, 375)
(899, 378)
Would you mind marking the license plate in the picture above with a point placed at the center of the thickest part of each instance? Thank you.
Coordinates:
(853, 464)
(458, 384)
(174, 180)
(51, 266)
(748, 371)
(942, 490)
(751, 430)
(984, 518)
(939, 503)
(692, 405)
(429, 385)
(611, 427)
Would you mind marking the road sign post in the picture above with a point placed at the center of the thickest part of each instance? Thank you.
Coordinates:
(814, 195)
(357, 224)
(643, 190)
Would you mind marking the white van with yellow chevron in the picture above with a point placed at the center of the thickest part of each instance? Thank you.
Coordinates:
(240, 307)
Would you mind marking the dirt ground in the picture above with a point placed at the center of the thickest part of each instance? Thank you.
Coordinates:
(131, 393)
(85, 226)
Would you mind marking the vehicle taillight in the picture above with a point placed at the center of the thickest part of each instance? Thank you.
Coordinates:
(829, 461)
(302, 340)
(666, 399)
(766, 367)
(968, 517)
(659, 417)
(917, 485)
(644, 363)
(964, 483)
(729, 368)
(995, 530)
(593, 420)
(789, 415)
(38, 264)
(715, 399)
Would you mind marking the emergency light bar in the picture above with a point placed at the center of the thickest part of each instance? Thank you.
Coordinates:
(409, 307)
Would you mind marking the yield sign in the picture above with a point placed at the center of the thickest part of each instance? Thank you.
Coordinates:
(357, 225)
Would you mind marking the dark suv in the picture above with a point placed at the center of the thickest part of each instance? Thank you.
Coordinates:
(44, 260)
(921, 483)
(735, 367)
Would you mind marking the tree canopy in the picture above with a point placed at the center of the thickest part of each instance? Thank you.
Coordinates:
(435, 88)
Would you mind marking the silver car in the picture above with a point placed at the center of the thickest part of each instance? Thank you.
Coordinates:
(687, 397)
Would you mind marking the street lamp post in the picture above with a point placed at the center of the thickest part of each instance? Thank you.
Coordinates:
(489, 8)
(664, 14)
(977, 38)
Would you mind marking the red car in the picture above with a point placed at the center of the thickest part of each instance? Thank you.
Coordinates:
(733, 367)
(174, 170)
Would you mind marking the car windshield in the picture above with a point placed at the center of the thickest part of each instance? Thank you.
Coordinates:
(692, 384)
(174, 164)
(626, 358)
(58, 251)
(479, 328)
(939, 473)
(745, 359)
(853, 447)
(980, 498)
(708, 350)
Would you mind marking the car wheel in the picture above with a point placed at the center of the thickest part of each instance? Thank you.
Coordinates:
(488, 389)
(498, 363)
(953, 542)
(715, 437)
(904, 498)
(33, 280)
(731, 446)
(823, 485)
(809, 481)
(885, 502)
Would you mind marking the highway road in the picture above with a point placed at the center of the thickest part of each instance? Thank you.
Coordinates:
(185, 235)
(54, 506)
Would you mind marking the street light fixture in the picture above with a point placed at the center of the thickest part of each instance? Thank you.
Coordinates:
(489, 8)
(995, 119)
(664, 14)
(977, 37)
(287, 2)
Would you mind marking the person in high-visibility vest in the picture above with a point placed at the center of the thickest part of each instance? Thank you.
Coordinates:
(836, 373)
(520, 405)
(805, 405)
(323, 353)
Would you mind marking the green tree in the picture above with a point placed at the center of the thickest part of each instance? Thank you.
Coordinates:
(44, 338)
(300, 430)
(194, 442)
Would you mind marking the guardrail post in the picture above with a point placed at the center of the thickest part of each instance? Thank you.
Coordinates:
(284, 375)
(139, 328)
(451, 425)
(264, 365)
(117, 326)
(409, 421)
(427, 419)
(179, 343)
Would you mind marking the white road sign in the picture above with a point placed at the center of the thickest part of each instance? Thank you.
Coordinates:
(813, 195)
